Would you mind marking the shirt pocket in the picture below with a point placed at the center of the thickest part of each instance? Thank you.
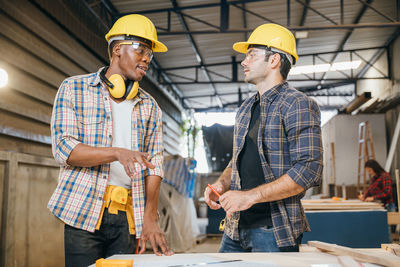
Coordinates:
(91, 124)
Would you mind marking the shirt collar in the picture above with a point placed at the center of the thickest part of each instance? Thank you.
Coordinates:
(270, 94)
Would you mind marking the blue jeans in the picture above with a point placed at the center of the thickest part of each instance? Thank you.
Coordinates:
(255, 240)
(390, 207)
(83, 248)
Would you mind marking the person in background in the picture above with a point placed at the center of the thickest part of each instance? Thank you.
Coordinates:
(380, 187)
(277, 151)
(107, 138)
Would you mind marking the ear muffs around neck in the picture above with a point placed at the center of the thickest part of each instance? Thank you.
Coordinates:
(117, 86)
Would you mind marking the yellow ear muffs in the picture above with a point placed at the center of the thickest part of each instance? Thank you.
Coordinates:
(118, 90)
(117, 86)
(132, 90)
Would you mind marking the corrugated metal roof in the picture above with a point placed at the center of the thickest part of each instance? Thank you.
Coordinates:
(215, 47)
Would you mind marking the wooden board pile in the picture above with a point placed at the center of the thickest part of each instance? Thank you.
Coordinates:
(329, 204)
(347, 256)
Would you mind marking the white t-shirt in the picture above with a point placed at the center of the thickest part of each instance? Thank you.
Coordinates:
(122, 133)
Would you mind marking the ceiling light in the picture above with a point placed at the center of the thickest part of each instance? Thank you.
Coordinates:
(301, 34)
(337, 66)
(3, 77)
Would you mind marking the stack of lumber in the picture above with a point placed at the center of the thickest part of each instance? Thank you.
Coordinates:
(329, 204)
(348, 255)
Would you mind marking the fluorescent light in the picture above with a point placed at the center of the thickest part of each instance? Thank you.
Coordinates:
(301, 34)
(307, 69)
(310, 69)
(3, 77)
(346, 65)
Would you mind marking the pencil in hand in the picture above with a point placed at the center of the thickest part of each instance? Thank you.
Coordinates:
(213, 189)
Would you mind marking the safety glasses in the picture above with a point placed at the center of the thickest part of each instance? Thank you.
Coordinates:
(254, 52)
(139, 48)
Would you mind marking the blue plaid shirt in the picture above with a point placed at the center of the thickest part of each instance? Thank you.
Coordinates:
(289, 142)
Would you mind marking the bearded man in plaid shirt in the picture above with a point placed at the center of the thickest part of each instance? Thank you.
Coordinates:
(277, 152)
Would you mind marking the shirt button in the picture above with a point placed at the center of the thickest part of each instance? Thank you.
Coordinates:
(110, 136)
(100, 198)
(104, 177)
(108, 117)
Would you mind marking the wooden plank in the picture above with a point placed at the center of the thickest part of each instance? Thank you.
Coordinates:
(10, 205)
(32, 18)
(26, 106)
(11, 143)
(388, 260)
(27, 62)
(38, 47)
(392, 248)
(398, 188)
(393, 218)
(347, 261)
(328, 204)
(28, 85)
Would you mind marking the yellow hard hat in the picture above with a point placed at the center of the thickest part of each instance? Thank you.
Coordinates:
(271, 35)
(136, 25)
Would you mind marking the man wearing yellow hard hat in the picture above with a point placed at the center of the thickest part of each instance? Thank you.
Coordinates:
(277, 153)
(107, 138)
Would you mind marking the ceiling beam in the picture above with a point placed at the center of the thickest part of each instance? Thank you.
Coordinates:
(289, 80)
(294, 28)
(377, 55)
(196, 50)
(180, 8)
(348, 34)
(300, 55)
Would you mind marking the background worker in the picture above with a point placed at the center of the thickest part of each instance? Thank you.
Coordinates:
(107, 137)
(277, 151)
(380, 187)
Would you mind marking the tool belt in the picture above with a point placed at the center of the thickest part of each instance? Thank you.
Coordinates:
(118, 198)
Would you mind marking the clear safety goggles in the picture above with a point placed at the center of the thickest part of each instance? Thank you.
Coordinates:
(139, 48)
(253, 53)
(264, 50)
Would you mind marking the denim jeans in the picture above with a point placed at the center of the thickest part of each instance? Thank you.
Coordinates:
(255, 240)
(390, 207)
(83, 248)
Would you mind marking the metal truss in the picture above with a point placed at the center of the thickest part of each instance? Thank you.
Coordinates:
(110, 14)
(353, 54)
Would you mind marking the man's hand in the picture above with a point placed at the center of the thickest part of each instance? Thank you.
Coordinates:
(233, 201)
(128, 158)
(153, 233)
(369, 199)
(211, 198)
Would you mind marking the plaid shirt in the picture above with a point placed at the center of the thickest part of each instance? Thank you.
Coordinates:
(381, 188)
(82, 114)
(289, 142)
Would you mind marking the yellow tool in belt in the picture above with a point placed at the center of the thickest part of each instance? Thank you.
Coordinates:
(118, 198)
(222, 225)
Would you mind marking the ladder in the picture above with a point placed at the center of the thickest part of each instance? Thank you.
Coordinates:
(366, 151)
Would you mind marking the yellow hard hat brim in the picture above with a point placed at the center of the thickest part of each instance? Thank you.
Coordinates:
(241, 47)
(159, 47)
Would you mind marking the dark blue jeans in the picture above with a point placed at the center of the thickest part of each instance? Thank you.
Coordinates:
(83, 248)
(259, 239)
